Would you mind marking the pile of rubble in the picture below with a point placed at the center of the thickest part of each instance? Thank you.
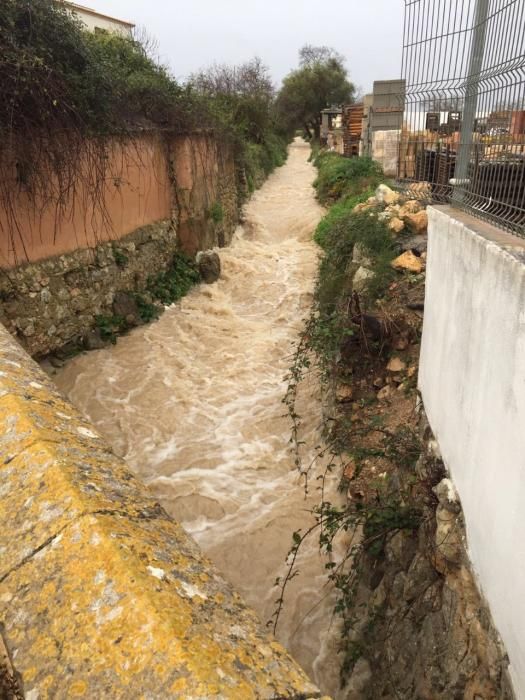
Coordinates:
(401, 213)
(406, 219)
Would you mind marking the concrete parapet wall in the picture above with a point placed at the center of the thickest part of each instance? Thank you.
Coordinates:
(102, 594)
(385, 150)
(472, 378)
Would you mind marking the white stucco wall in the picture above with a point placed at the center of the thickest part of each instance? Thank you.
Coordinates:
(94, 21)
(472, 378)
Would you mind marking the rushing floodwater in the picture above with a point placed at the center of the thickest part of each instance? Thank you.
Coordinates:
(193, 402)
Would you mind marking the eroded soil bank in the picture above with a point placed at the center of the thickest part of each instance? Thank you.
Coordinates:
(193, 402)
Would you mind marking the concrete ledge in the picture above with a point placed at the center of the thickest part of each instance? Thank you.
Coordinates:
(102, 594)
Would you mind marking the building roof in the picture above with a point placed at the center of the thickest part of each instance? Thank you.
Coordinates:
(332, 110)
(90, 11)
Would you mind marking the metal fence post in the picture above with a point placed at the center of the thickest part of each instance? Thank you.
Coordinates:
(477, 51)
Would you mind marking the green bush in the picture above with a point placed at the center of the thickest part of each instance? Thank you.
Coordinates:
(56, 74)
(131, 87)
(315, 148)
(260, 159)
(337, 212)
(369, 232)
(341, 177)
(241, 100)
(110, 326)
(147, 311)
(330, 321)
(170, 286)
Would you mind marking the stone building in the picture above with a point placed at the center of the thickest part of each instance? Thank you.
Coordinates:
(382, 123)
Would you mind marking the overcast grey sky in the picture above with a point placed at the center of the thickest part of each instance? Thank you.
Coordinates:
(193, 34)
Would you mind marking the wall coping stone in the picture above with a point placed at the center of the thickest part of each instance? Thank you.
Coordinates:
(102, 594)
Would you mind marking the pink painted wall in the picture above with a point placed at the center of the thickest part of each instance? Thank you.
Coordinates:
(137, 192)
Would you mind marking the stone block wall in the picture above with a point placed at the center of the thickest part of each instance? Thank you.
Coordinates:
(423, 630)
(54, 303)
(205, 191)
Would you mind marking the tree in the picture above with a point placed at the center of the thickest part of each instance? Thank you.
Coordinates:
(242, 96)
(320, 81)
(310, 55)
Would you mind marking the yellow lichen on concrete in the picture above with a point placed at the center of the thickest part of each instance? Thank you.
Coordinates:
(102, 594)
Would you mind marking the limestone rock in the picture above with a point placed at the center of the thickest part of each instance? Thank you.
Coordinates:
(209, 266)
(408, 261)
(447, 495)
(417, 222)
(361, 277)
(349, 470)
(449, 548)
(384, 393)
(401, 343)
(94, 341)
(361, 256)
(396, 365)
(393, 209)
(359, 680)
(125, 305)
(417, 244)
(360, 208)
(396, 225)
(412, 206)
(344, 393)
(56, 362)
(384, 195)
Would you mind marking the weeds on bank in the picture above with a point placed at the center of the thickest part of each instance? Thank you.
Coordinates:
(340, 178)
(121, 259)
(170, 286)
(110, 326)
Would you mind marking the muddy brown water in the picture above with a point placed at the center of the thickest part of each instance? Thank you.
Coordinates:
(193, 402)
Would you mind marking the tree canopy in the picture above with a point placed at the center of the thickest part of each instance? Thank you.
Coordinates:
(241, 96)
(320, 81)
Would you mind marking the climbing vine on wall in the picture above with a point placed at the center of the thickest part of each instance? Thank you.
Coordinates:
(67, 97)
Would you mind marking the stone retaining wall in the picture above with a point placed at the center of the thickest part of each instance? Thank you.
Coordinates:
(102, 594)
(53, 304)
(423, 629)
